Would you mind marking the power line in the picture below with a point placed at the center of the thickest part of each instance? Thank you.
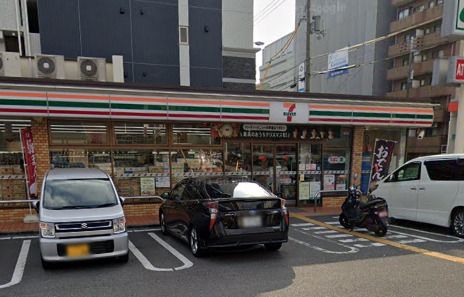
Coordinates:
(259, 20)
(265, 9)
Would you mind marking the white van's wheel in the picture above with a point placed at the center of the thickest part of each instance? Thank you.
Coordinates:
(458, 223)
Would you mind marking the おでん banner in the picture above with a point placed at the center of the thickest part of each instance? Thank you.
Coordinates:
(383, 152)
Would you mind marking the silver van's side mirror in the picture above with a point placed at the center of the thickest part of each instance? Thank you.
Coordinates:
(36, 205)
(123, 200)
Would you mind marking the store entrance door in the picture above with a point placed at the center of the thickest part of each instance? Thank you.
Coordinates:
(310, 171)
(263, 165)
(286, 171)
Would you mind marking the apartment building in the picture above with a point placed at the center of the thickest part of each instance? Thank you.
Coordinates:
(419, 47)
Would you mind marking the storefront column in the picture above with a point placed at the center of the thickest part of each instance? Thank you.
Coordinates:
(40, 137)
(356, 155)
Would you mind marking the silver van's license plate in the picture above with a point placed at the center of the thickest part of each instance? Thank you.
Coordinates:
(251, 222)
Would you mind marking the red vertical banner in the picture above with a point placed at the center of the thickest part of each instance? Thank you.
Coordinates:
(30, 167)
(381, 160)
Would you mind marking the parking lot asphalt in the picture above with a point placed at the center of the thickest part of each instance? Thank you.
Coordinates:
(319, 260)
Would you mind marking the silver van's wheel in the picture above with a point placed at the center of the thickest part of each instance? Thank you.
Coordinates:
(458, 223)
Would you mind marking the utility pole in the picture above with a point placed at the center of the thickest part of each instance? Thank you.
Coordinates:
(412, 50)
(308, 51)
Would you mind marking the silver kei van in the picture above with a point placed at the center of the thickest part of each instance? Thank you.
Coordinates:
(81, 217)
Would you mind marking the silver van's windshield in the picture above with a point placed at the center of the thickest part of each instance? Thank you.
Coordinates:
(79, 193)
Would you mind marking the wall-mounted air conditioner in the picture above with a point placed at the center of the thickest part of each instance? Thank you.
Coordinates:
(92, 68)
(10, 64)
(49, 66)
(415, 84)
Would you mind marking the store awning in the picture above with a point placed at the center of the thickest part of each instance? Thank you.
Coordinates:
(132, 104)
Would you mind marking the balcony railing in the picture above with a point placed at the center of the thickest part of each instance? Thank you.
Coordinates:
(423, 42)
(421, 68)
(417, 18)
(398, 3)
(425, 92)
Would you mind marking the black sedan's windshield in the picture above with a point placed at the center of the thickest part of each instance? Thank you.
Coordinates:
(81, 193)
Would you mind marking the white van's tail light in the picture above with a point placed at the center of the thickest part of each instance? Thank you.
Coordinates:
(47, 230)
(213, 211)
(119, 225)
(284, 211)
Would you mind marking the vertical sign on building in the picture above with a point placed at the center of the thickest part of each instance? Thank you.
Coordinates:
(337, 63)
(453, 18)
(301, 78)
(30, 165)
(383, 152)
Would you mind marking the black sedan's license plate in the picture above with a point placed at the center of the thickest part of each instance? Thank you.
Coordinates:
(251, 222)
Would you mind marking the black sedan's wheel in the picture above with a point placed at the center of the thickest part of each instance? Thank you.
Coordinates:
(195, 243)
(273, 246)
(164, 230)
(458, 223)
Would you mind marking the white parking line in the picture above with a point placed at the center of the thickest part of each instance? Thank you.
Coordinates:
(333, 223)
(416, 240)
(19, 237)
(187, 263)
(350, 249)
(314, 228)
(372, 244)
(143, 230)
(20, 264)
(149, 266)
(325, 232)
(301, 225)
(352, 240)
(455, 239)
(339, 236)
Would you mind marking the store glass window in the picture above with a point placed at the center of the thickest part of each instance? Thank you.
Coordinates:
(286, 171)
(78, 133)
(196, 162)
(237, 159)
(309, 170)
(336, 160)
(141, 172)
(12, 182)
(81, 158)
(140, 133)
(194, 134)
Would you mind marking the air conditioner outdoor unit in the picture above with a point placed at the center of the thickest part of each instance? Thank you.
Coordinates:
(415, 84)
(10, 64)
(92, 68)
(49, 66)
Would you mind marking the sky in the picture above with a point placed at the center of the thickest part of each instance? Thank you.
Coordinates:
(272, 20)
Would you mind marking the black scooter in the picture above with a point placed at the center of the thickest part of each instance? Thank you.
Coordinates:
(372, 214)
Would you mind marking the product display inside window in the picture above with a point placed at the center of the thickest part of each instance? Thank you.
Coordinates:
(309, 169)
(141, 172)
(81, 158)
(12, 182)
(140, 133)
(237, 159)
(78, 133)
(194, 134)
(196, 162)
(263, 165)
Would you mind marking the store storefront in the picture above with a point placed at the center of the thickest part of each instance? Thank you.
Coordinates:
(148, 140)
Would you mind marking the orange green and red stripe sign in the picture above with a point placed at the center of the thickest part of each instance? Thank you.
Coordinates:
(68, 104)
(370, 115)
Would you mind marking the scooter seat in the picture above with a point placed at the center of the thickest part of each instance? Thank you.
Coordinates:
(370, 203)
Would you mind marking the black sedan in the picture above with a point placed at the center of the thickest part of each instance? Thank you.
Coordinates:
(223, 212)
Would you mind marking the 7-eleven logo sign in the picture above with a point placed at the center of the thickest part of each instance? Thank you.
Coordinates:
(290, 111)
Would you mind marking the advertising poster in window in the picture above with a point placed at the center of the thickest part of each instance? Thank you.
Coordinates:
(304, 191)
(147, 186)
(329, 182)
(381, 160)
(314, 189)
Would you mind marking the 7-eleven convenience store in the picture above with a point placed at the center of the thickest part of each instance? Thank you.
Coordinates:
(148, 139)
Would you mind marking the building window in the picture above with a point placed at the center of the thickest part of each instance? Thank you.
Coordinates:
(194, 134)
(403, 13)
(195, 162)
(78, 133)
(403, 85)
(81, 158)
(140, 133)
(183, 35)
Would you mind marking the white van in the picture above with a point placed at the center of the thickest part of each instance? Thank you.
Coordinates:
(427, 189)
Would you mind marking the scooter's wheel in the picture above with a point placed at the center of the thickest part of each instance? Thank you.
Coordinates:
(344, 221)
(382, 229)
